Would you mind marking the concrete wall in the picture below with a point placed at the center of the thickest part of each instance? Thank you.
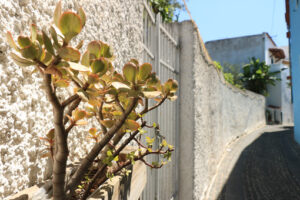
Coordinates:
(286, 97)
(213, 114)
(295, 62)
(275, 91)
(238, 50)
(280, 94)
(25, 114)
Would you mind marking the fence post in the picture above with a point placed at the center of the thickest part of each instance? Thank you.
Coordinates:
(157, 66)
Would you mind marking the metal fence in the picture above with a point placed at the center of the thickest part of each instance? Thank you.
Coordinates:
(161, 50)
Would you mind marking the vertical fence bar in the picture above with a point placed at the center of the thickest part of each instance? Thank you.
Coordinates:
(157, 66)
(161, 50)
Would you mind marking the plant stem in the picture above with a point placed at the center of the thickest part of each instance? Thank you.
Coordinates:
(61, 146)
(88, 160)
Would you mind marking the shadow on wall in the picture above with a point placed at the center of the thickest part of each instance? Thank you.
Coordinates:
(267, 169)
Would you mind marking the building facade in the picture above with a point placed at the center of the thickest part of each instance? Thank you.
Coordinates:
(293, 21)
(238, 51)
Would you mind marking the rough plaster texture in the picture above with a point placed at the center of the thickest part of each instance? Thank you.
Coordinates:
(213, 114)
(25, 114)
(238, 50)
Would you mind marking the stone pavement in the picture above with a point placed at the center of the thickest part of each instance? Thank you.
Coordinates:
(264, 165)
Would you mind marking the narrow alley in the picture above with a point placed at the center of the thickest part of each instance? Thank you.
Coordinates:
(261, 165)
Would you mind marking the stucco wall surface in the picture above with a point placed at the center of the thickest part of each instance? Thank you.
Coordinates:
(25, 114)
(220, 114)
(237, 51)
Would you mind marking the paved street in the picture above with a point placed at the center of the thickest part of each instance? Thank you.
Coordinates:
(260, 166)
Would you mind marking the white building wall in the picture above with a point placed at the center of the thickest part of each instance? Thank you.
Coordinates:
(268, 43)
(286, 97)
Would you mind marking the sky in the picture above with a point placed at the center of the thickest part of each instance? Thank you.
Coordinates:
(219, 19)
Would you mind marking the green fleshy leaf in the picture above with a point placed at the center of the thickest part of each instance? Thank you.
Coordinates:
(70, 25)
(171, 86)
(82, 16)
(79, 45)
(39, 38)
(79, 67)
(57, 13)
(99, 66)
(11, 41)
(153, 80)
(93, 78)
(54, 37)
(48, 43)
(62, 83)
(46, 57)
(24, 41)
(33, 31)
(93, 131)
(78, 114)
(132, 125)
(149, 140)
(108, 123)
(94, 48)
(145, 71)
(130, 72)
(119, 85)
(21, 61)
(83, 94)
(29, 52)
(69, 54)
(106, 51)
(116, 158)
(50, 134)
(151, 94)
(85, 60)
(135, 61)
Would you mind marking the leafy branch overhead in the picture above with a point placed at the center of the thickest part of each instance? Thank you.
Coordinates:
(117, 101)
(257, 75)
(168, 9)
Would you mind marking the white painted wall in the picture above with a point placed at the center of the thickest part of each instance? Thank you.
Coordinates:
(268, 43)
(280, 94)
(237, 51)
(286, 98)
(213, 114)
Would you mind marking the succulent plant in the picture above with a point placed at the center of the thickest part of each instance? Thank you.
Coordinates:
(113, 99)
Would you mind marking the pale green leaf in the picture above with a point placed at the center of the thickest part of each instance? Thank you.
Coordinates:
(79, 67)
(129, 72)
(70, 25)
(82, 16)
(48, 43)
(69, 54)
(119, 85)
(21, 61)
(151, 94)
(11, 41)
(57, 13)
(145, 71)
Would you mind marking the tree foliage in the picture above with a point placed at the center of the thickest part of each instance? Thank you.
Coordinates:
(257, 75)
(118, 101)
(168, 9)
(230, 73)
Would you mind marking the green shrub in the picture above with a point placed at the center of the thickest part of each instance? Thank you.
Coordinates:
(167, 9)
(230, 74)
(256, 76)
